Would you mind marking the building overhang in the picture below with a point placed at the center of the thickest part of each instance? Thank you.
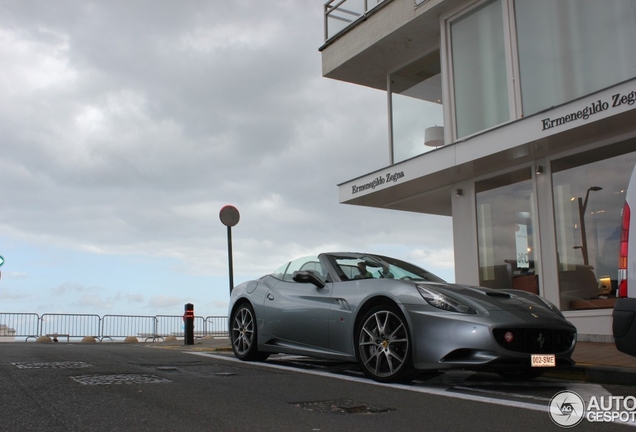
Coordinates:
(426, 183)
(384, 40)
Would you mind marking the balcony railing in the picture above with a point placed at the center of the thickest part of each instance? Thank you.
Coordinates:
(340, 14)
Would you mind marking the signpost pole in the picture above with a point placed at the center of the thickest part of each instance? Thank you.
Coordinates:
(229, 216)
(229, 255)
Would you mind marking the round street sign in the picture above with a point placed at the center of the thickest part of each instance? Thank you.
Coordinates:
(229, 216)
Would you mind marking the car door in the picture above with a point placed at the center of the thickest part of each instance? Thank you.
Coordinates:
(298, 312)
(346, 297)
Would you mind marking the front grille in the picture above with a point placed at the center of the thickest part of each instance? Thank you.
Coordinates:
(534, 340)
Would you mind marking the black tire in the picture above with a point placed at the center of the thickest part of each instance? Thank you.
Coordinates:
(521, 374)
(383, 345)
(243, 334)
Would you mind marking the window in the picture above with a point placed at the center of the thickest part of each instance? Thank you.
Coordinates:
(505, 229)
(279, 273)
(416, 105)
(561, 50)
(571, 48)
(479, 70)
(589, 193)
(310, 263)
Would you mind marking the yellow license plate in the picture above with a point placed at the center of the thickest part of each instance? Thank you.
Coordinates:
(543, 360)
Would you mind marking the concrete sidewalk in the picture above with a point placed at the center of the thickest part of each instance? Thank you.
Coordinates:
(596, 362)
(601, 363)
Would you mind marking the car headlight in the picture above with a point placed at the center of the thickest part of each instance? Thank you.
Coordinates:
(444, 302)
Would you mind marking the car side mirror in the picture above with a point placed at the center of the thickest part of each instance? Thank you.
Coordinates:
(308, 277)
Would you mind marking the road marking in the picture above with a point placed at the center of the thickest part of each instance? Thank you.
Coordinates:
(430, 391)
(585, 389)
(502, 393)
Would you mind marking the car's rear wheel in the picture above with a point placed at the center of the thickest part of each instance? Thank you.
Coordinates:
(383, 345)
(243, 334)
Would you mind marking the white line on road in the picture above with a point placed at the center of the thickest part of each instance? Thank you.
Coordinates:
(586, 390)
(431, 391)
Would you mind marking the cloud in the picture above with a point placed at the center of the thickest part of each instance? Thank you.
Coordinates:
(165, 302)
(92, 302)
(12, 295)
(16, 275)
(128, 125)
(70, 288)
(129, 299)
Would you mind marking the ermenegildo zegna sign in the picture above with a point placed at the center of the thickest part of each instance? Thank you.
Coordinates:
(379, 180)
(586, 112)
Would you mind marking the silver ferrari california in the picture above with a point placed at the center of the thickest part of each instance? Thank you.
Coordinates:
(395, 319)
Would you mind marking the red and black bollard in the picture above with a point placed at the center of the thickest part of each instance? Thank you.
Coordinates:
(188, 319)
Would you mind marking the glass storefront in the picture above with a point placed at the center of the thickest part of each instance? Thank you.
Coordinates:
(589, 193)
(506, 230)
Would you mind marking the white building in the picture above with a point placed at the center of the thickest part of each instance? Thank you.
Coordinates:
(7, 334)
(515, 117)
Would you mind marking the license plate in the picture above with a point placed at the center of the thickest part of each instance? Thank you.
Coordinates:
(543, 360)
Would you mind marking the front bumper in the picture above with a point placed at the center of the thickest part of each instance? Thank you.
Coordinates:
(451, 340)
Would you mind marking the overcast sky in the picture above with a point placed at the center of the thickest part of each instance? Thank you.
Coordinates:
(125, 126)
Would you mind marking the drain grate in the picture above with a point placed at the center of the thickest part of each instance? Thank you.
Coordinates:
(342, 406)
(51, 365)
(119, 379)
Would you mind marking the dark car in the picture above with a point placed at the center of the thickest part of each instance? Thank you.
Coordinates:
(624, 315)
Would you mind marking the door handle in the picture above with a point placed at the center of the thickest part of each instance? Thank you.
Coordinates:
(270, 297)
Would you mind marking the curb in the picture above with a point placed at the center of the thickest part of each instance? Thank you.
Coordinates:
(596, 374)
(583, 372)
(196, 347)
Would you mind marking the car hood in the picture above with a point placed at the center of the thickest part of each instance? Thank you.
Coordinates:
(481, 298)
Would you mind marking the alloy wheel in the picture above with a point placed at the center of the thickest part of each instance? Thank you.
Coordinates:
(243, 331)
(383, 344)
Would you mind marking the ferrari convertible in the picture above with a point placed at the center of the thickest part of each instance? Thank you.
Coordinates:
(395, 320)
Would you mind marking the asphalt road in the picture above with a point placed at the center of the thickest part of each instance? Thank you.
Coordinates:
(121, 387)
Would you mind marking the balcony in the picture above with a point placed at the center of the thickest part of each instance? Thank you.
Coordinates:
(365, 40)
(342, 14)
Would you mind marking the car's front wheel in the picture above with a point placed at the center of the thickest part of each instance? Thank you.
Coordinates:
(383, 345)
(243, 334)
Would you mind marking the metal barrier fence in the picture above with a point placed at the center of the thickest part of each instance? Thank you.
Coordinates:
(110, 327)
(122, 326)
(14, 325)
(69, 325)
(217, 326)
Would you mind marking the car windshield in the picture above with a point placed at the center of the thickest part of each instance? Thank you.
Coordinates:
(365, 266)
